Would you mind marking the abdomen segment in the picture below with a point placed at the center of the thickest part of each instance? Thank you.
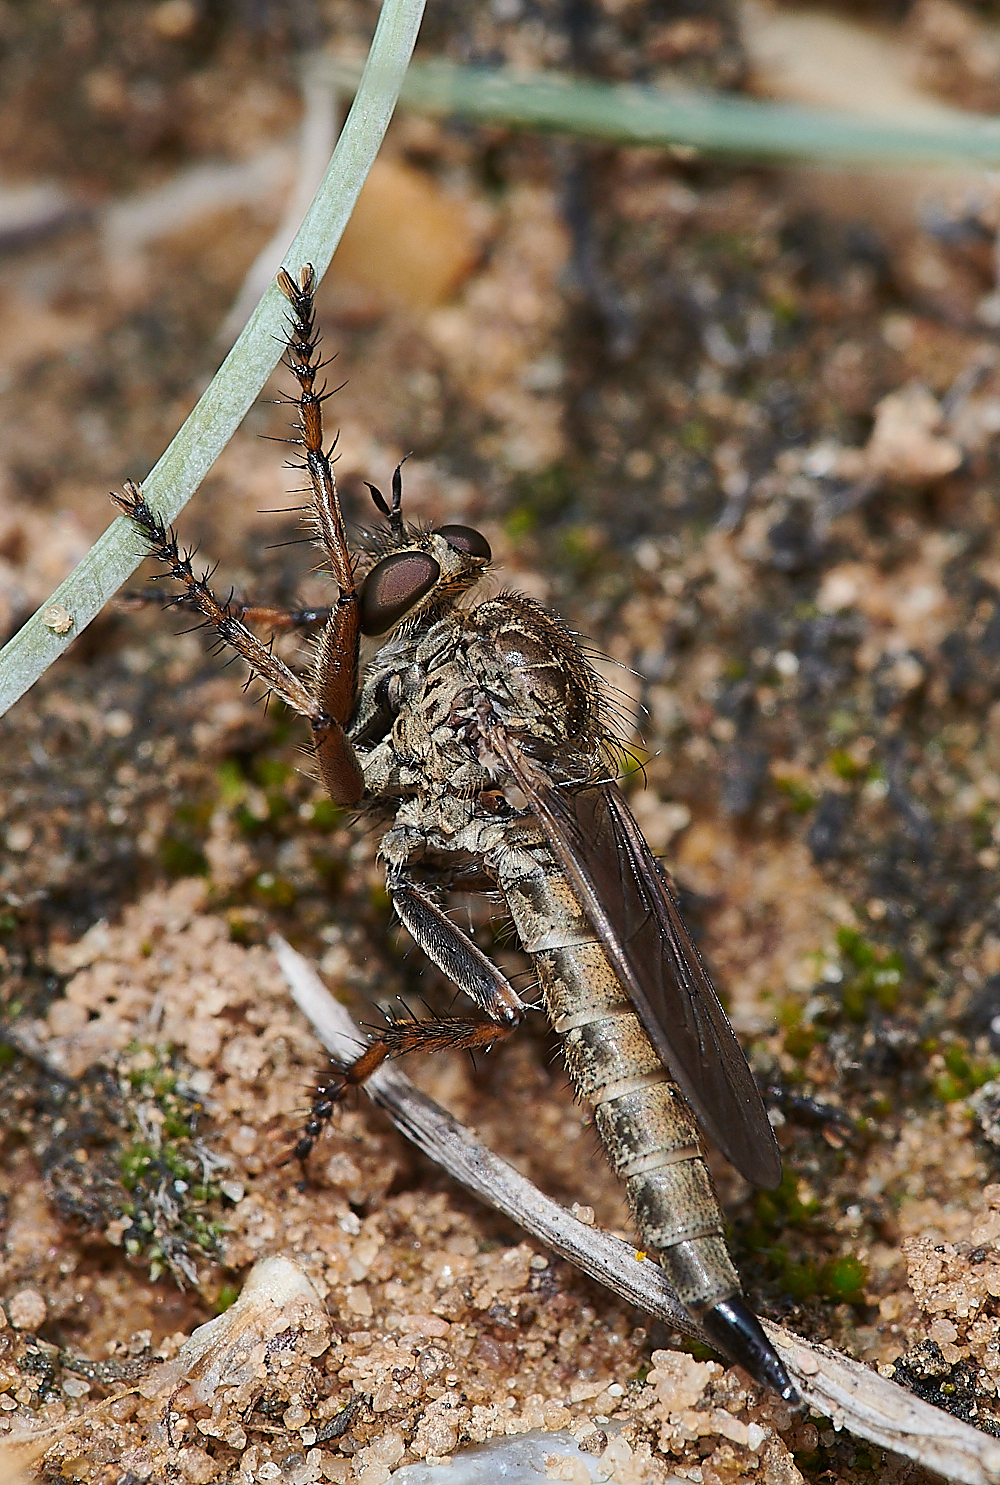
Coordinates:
(648, 1132)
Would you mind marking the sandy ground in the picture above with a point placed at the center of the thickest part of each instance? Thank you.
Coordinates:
(744, 442)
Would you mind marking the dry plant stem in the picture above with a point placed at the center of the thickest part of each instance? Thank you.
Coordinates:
(716, 123)
(833, 1385)
(222, 407)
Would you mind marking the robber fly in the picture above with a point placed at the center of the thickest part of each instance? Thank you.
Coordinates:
(476, 735)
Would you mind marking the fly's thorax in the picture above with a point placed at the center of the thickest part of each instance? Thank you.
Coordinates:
(439, 641)
(449, 826)
(389, 679)
(431, 696)
(418, 703)
(536, 673)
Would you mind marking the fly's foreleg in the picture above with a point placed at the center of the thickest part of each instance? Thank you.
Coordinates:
(336, 683)
(338, 764)
(336, 672)
(269, 616)
(468, 969)
(218, 613)
(329, 702)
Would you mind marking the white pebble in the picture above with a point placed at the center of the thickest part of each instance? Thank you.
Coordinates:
(58, 619)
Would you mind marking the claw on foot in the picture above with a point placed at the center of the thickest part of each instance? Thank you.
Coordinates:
(327, 1095)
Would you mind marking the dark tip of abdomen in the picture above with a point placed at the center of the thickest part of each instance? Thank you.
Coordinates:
(737, 1334)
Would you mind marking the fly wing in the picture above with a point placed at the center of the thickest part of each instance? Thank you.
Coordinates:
(632, 906)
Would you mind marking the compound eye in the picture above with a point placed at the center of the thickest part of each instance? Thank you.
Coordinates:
(393, 587)
(464, 539)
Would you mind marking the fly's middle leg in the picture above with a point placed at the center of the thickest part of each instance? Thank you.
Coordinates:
(468, 969)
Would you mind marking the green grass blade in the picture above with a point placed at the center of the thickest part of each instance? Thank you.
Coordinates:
(715, 123)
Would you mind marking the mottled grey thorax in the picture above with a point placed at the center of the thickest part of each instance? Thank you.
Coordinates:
(507, 664)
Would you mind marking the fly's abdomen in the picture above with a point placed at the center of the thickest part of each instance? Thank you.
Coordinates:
(644, 1123)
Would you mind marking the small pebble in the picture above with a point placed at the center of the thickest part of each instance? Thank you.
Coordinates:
(243, 1141)
(26, 1310)
(520, 1459)
(58, 619)
(117, 723)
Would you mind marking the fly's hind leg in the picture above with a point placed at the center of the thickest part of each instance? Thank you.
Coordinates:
(468, 969)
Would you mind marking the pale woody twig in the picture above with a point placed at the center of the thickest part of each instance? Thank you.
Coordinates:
(831, 1384)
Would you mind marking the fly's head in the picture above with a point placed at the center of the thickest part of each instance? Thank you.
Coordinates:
(417, 571)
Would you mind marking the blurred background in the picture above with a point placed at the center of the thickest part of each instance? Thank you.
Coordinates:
(737, 422)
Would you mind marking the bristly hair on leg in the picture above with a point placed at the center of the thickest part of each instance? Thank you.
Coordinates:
(393, 1038)
(262, 663)
(327, 1095)
(303, 341)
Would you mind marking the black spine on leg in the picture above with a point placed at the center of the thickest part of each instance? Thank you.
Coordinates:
(737, 1334)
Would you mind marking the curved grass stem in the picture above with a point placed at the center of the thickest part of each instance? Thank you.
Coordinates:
(199, 442)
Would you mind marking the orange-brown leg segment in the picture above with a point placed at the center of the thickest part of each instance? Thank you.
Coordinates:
(449, 1033)
(282, 620)
(336, 672)
(328, 704)
(277, 620)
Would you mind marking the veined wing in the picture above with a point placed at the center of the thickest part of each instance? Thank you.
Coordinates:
(631, 903)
